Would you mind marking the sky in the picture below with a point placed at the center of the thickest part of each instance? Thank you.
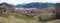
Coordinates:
(28, 1)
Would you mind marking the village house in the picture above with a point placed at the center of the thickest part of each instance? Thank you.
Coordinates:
(29, 13)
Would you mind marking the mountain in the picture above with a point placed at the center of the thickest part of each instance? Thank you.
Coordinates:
(6, 4)
(19, 6)
(32, 5)
(57, 4)
(29, 5)
(36, 5)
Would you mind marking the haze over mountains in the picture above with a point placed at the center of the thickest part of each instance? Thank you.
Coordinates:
(29, 5)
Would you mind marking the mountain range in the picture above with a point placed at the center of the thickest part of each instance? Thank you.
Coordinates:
(29, 5)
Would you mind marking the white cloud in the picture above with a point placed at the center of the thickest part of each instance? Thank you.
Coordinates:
(27, 1)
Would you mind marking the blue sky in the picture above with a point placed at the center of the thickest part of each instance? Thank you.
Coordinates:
(27, 1)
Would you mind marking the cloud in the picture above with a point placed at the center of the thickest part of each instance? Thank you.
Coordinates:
(27, 1)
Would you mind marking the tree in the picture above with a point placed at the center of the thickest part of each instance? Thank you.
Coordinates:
(57, 5)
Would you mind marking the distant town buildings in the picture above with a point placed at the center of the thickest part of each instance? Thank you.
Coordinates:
(25, 8)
